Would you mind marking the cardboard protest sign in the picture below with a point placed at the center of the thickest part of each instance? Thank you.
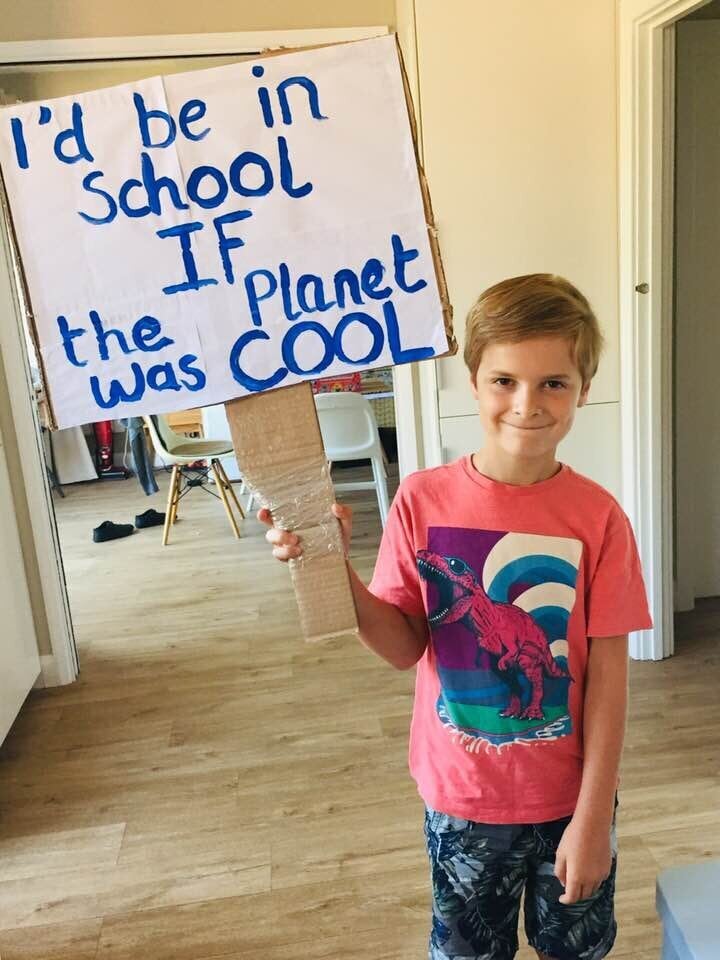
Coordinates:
(205, 236)
(224, 233)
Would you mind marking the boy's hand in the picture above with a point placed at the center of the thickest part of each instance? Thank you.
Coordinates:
(583, 860)
(288, 546)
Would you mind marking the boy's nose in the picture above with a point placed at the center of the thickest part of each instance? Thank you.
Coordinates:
(526, 405)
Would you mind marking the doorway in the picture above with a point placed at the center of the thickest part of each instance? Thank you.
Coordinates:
(41, 70)
(647, 116)
(696, 337)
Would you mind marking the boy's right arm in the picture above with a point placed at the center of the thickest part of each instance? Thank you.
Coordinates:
(396, 637)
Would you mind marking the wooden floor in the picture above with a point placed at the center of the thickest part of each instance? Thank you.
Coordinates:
(213, 787)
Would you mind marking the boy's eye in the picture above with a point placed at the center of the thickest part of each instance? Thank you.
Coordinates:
(556, 384)
(502, 381)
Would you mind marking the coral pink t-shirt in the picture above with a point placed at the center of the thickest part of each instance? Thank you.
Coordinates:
(513, 580)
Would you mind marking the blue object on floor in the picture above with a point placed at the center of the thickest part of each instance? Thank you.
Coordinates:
(686, 899)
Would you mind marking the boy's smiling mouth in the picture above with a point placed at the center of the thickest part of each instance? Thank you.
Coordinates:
(519, 426)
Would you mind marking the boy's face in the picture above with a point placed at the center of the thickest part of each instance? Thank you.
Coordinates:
(527, 395)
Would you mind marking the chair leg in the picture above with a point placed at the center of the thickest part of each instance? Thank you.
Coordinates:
(176, 501)
(381, 489)
(171, 504)
(230, 489)
(224, 497)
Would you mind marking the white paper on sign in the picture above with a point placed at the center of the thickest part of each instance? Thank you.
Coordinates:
(202, 236)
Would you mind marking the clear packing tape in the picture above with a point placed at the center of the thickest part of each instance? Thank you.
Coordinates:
(298, 502)
(278, 445)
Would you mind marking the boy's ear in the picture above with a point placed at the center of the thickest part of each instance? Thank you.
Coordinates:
(582, 399)
(473, 386)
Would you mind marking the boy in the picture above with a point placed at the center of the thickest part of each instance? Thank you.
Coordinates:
(512, 582)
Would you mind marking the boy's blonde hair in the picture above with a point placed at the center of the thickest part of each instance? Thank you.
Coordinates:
(534, 305)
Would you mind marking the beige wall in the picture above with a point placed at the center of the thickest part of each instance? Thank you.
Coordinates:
(519, 134)
(62, 19)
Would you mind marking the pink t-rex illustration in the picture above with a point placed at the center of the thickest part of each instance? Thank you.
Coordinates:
(503, 629)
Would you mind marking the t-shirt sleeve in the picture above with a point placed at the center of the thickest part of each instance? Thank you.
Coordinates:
(616, 600)
(396, 579)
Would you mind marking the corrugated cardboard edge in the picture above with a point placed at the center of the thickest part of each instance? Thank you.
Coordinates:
(429, 216)
(278, 445)
(25, 303)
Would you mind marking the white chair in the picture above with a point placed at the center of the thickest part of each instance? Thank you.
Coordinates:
(184, 453)
(349, 432)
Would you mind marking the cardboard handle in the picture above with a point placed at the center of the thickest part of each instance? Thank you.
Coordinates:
(279, 449)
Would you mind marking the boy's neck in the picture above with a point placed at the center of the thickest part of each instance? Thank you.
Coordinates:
(498, 466)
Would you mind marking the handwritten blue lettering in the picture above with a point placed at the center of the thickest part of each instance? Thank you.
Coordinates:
(144, 118)
(347, 278)
(190, 112)
(111, 205)
(162, 377)
(372, 275)
(313, 98)
(288, 347)
(287, 294)
(237, 167)
(154, 185)
(401, 256)
(264, 97)
(16, 128)
(286, 173)
(102, 335)
(144, 332)
(117, 393)
(308, 281)
(393, 330)
(74, 133)
(226, 243)
(123, 200)
(376, 332)
(193, 187)
(245, 379)
(198, 377)
(69, 334)
(183, 231)
(254, 298)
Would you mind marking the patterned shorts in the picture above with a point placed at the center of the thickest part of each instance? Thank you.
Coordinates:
(479, 873)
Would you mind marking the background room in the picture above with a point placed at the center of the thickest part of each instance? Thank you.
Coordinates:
(207, 772)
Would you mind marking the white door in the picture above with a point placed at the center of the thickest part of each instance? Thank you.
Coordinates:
(19, 660)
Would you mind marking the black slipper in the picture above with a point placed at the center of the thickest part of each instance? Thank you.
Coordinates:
(111, 531)
(151, 518)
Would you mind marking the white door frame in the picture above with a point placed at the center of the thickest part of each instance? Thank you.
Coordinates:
(61, 667)
(646, 168)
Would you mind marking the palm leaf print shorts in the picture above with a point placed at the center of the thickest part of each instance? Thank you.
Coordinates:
(479, 873)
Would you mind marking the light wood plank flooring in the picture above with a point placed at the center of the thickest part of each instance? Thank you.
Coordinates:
(213, 787)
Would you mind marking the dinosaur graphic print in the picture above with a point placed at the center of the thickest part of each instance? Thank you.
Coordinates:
(498, 609)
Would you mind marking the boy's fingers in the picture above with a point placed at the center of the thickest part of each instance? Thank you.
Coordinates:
(281, 538)
(560, 869)
(573, 892)
(264, 515)
(286, 553)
